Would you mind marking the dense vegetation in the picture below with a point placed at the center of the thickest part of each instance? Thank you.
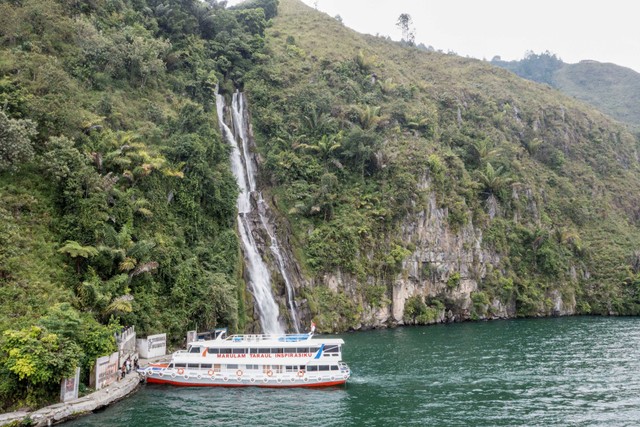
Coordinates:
(610, 88)
(117, 205)
(358, 132)
(116, 200)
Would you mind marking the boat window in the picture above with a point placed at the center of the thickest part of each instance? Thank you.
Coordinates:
(170, 365)
(238, 351)
(332, 349)
(194, 349)
(214, 350)
(264, 350)
(216, 367)
(253, 367)
(193, 365)
(314, 350)
(277, 350)
(291, 350)
(291, 368)
(323, 367)
(253, 350)
(181, 365)
(312, 368)
(234, 366)
(335, 368)
(205, 365)
(225, 351)
(302, 350)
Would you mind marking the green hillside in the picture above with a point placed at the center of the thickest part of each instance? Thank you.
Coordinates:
(358, 132)
(610, 88)
(117, 204)
(413, 187)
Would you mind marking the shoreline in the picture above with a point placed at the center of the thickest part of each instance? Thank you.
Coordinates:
(61, 412)
(85, 405)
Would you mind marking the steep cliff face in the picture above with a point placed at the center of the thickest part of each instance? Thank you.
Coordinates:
(413, 187)
(446, 266)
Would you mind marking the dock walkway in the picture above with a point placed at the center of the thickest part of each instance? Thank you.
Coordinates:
(60, 412)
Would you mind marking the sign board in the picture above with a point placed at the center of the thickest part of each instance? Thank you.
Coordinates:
(126, 343)
(69, 387)
(152, 346)
(106, 370)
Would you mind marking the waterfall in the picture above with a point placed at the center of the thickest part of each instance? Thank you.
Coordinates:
(275, 250)
(244, 170)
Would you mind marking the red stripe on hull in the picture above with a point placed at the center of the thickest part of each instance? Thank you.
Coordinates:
(283, 385)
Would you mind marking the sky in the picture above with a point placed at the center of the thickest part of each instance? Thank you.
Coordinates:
(605, 31)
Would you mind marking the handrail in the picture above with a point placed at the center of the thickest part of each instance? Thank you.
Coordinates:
(267, 337)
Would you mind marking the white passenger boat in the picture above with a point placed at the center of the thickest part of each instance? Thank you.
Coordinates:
(291, 360)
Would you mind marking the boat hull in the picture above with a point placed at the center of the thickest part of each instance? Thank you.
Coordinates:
(230, 381)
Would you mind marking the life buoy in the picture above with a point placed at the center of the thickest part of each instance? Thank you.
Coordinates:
(211, 372)
(301, 373)
(269, 372)
(180, 371)
(239, 372)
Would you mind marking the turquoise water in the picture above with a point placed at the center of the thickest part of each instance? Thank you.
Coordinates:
(582, 371)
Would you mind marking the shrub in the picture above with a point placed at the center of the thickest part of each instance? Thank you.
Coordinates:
(453, 281)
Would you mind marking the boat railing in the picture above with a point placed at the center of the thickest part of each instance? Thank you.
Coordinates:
(269, 337)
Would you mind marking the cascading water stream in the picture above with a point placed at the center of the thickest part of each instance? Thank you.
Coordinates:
(238, 112)
(275, 250)
(244, 170)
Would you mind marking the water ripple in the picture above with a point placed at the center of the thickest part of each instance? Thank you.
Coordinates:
(543, 372)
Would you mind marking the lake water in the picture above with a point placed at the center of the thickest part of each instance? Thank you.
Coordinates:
(579, 371)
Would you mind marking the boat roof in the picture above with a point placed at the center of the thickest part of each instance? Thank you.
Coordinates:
(288, 340)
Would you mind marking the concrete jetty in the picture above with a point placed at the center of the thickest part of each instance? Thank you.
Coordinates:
(84, 405)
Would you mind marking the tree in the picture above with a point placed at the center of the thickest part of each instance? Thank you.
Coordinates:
(326, 147)
(494, 182)
(369, 117)
(15, 142)
(405, 23)
(36, 359)
(484, 150)
(78, 252)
